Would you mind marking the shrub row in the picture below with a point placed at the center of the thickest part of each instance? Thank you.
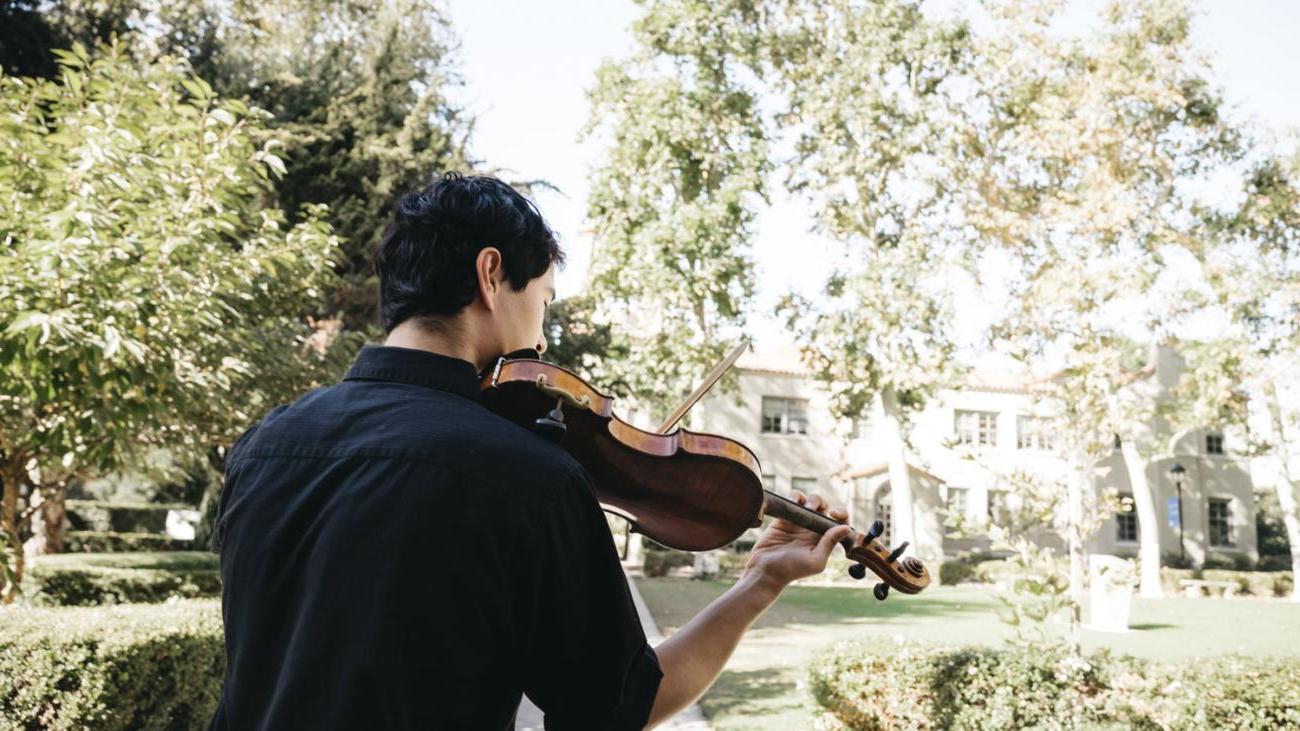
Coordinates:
(94, 515)
(863, 686)
(981, 569)
(1259, 583)
(86, 541)
(129, 667)
(89, 579)
(661, 562)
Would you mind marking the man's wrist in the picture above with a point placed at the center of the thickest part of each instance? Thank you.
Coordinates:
(761, 583)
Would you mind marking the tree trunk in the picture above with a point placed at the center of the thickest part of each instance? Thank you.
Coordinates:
(900, 478)
(48, 522)
(1074, 543)
(11, 471)
(1286, 496)
(213, 478)
(1286, 490)
(1148, 525)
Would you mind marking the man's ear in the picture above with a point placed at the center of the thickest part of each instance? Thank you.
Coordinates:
(490, 270)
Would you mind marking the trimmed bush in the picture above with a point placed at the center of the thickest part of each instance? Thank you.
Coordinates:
(660, 562)
(1257, 583)
(85, 541)
(171, 560)
(863, 686)
(956, 572)
(88, 579)
(104, 517)
(731, 563)
(107, 668)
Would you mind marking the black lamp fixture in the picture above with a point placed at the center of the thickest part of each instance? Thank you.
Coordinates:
(1178, 472)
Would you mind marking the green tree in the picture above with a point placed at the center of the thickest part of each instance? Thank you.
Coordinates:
(358, 90)
(151, 291)
(673, 202)
(577, 340)
(878, 94)
(1255, 276)
(1087, 187)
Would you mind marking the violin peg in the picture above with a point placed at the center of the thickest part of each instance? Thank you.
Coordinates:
(875, 530)
(898, 551)
(858, 571)
(881, 591)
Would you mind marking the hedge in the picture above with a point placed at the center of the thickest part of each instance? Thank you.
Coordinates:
(107, 668)
(85, 541)
(95, 515)
(981, 569)
(87, 579)
(661, 562)
(908, 686)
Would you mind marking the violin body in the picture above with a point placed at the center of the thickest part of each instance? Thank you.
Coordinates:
(688, 491)
(685, 490)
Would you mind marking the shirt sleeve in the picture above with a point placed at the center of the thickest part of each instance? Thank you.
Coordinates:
(589, 665)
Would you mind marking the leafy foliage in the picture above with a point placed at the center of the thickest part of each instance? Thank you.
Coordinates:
(128, 667)
(92, 579)
(358, 92)
(673, 203)
(151, 290)
(876, 94)
(1048, 687)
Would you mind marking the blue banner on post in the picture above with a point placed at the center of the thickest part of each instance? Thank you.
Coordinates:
(1175, 519)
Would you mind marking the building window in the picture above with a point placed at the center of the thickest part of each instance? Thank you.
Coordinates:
(1220, 512)
(998, 514)
(1033, 432)
(1214, 444)
(769, 482)
(1126, 520)
(806, 485)
(976, 428)
(885, 514)
(785, 415)
(958, 498)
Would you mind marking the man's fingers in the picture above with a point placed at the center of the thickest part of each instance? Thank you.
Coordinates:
(830, 538)
(839, 514)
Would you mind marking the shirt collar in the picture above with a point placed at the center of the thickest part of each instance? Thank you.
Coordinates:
(416, 367)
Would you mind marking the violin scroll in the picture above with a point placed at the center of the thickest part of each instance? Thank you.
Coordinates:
(908, 576)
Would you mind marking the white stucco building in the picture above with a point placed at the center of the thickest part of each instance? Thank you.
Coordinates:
(782, 413)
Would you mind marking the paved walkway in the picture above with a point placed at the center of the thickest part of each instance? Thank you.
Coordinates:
(692, 719)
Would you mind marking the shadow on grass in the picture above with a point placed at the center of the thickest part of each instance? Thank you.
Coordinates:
(674, 601)
(847, 603)
(753, 692)
(1151, 625)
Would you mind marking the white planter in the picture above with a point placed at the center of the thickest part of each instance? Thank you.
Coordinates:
(1109, 603)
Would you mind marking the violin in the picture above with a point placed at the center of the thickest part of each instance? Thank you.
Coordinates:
(685, 490)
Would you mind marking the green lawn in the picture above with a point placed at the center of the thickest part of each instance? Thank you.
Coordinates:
(762, 687)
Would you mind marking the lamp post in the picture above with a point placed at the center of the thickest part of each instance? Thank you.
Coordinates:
(1177, 472)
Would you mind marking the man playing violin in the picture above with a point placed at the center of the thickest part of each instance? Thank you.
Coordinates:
(395, 555)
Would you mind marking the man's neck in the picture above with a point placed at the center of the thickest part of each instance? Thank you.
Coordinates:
(409, 335)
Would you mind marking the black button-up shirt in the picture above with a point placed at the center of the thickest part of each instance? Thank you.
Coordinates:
(396, 556)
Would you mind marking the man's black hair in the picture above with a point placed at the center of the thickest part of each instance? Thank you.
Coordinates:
(425, 261)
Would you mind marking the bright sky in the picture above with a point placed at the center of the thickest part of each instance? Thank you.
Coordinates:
(527, 66)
